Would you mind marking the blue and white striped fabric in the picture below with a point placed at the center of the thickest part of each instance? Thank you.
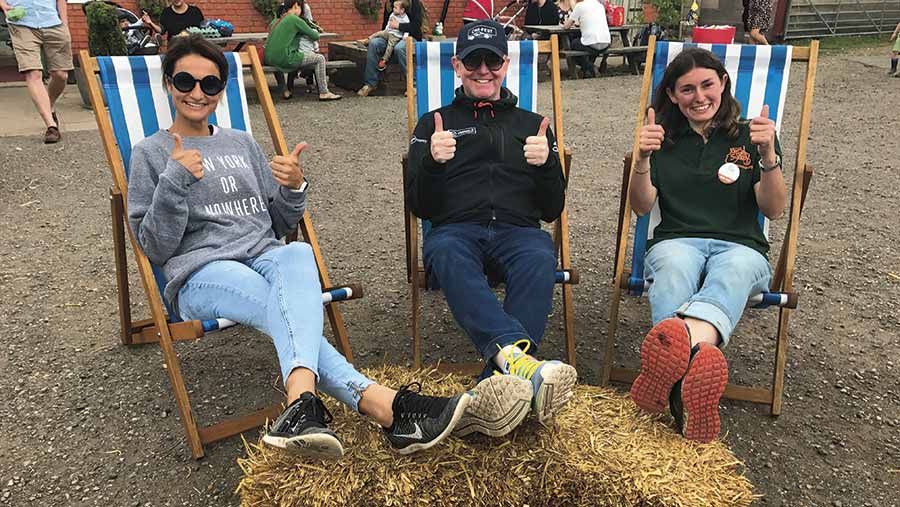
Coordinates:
(436, 81)
(759, 76)
(139, 104)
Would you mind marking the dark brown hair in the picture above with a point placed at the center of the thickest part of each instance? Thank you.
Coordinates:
(670, 116)
(193, 44)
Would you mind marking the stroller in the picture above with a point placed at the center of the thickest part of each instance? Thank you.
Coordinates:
(4, 30)
(139, 38)
(476, 10)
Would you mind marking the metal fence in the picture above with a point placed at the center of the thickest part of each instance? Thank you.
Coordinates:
(828, 18)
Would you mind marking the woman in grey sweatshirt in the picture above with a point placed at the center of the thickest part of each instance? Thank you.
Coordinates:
(207, 206)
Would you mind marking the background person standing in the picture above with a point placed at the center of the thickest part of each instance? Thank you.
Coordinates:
(44, 30)
(175, 19)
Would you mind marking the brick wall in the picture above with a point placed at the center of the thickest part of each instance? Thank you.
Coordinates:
(333, 15)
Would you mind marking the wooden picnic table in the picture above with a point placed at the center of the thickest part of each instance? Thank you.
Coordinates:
(243, 38)
(565, 42)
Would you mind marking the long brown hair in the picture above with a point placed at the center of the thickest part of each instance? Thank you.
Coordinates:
(670, 116)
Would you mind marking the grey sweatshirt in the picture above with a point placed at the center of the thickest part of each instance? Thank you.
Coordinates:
(237, 211)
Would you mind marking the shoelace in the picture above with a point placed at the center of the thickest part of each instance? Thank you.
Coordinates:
(411, 405)
(309, 410)
(522, 365)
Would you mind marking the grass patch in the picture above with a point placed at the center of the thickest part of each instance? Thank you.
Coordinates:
(847, 42)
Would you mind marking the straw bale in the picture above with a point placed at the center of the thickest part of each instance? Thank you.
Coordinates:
(601, 451)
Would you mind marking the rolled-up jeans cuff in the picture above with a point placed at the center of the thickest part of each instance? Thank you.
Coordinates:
(288, 368)
(354, 393)
(708, 312)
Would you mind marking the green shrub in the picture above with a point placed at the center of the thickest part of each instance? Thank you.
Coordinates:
(105, 38)
(268, 8)
(368, 8)
(669, 14)
(153, 7)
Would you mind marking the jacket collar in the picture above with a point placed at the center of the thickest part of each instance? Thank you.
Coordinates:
(506, 101)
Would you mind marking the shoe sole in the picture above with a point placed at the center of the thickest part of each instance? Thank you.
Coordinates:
(665, 354)
(458, 412)
(556, 390)
(701, 391)
(499, 404)
(316, 446)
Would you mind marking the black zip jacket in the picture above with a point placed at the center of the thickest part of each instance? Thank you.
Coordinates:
(414, 27)
(488, 178)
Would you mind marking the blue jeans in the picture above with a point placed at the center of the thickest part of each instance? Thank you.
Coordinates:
(278, 293)
(706, 279)
(457, 257)
(375, 50)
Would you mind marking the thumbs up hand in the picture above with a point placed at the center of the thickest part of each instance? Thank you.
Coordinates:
(443, 144)
(536, 148)
(762, 134)
(189, 159)
(286, 168)
(650, 137)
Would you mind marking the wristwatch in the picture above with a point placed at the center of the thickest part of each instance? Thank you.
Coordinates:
(774, 166)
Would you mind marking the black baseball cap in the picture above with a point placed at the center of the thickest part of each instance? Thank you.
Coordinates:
(484, 34)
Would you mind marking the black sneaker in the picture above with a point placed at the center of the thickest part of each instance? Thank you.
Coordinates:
(421, 421)
(301, 429)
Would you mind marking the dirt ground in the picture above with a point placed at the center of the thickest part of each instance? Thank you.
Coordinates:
(86, 421)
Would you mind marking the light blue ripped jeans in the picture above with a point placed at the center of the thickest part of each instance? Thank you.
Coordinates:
(278, 293)
(706, 279)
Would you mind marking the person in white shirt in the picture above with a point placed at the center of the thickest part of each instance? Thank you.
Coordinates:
(590, 16)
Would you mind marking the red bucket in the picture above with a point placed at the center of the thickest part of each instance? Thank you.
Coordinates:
(713, 34)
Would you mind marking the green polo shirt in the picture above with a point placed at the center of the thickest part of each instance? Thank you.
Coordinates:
(694, 203)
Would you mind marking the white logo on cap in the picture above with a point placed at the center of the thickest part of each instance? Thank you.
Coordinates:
(482, 32)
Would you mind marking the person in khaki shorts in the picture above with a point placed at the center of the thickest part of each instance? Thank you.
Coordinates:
(44, 29)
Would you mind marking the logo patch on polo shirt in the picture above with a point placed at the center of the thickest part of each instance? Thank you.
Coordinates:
(740, 157)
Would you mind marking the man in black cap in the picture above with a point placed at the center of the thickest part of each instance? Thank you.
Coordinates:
(486, 172)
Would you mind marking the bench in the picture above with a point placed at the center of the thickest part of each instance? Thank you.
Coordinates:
(392, 80)
(627, 53)
(330, 68)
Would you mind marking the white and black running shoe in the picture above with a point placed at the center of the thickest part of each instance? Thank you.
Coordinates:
(420, 422)
(499, 404)
(302, 429)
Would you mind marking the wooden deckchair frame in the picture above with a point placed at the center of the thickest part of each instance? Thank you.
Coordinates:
(415, 271)
(783, 277)
(157, 329)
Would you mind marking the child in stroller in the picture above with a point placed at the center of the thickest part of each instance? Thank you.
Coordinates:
(139, 38)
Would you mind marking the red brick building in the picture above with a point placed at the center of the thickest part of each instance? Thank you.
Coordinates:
(339, 16)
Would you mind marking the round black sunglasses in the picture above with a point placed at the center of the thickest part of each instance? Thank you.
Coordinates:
(491, 59)
(185, 82)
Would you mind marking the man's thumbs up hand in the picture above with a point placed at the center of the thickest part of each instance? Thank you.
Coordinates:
(536, 148)
(443, 144)
(189, 159)
(286, 168)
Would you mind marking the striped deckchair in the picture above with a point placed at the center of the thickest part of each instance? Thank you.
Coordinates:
(137, 106)
(431, 83)
(759, 76)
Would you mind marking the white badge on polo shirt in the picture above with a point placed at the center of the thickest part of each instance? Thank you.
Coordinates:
(729, 173)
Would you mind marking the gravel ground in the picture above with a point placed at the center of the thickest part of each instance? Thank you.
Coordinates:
(89, 422)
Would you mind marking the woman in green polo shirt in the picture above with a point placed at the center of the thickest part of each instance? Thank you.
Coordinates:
(711, 175)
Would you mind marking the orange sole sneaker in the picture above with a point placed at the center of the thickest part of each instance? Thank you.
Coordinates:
(665, 354)
(701, 391)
